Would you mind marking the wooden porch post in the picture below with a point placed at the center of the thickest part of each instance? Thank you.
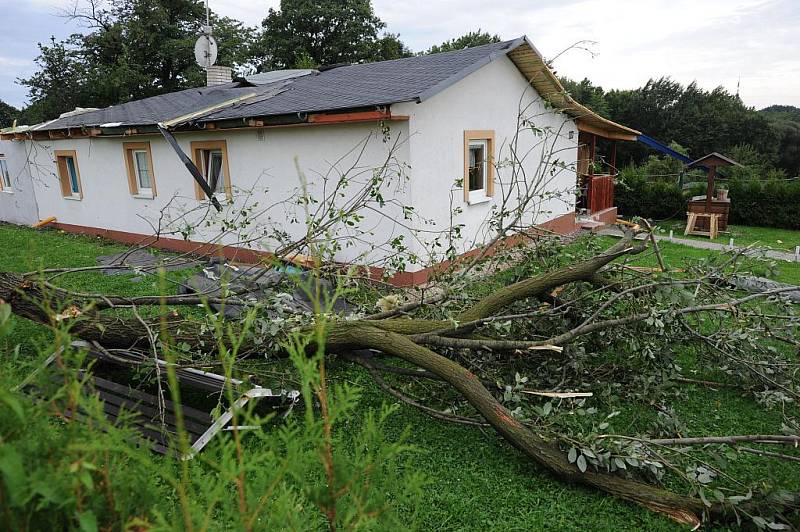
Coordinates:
(592, 154)
(712, 170)
(613, 157)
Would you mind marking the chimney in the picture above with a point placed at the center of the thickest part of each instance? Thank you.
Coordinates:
(218, 75)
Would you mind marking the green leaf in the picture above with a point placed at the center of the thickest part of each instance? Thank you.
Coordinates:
(572, 455)
(88, 521)
(13, 475)
(777, 526)
(86, 479)
(581, 463)
(760, 522)
(13, 403)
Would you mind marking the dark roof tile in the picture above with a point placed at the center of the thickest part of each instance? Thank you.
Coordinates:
(353, 86)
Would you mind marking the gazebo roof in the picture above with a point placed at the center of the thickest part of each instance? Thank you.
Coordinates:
(713, 159)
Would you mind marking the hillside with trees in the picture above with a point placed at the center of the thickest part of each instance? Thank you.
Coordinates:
(702, 121)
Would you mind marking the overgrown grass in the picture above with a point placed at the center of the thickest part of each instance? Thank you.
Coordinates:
(475, 481)
(743, 235)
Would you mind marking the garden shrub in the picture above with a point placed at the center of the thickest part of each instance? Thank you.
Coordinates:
(767, 203)
(658, 200)
(758, 202)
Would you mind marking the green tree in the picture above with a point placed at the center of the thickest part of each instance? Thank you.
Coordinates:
(133, 49)
(468, 40)
(8, 113)
(588, 94)
(703, 121)
(60, 84)
(785, 123)
(324, 32)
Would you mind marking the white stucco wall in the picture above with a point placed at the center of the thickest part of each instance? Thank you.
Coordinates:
(18, 203)
(263, 174)
(428, 149)
(490, 98)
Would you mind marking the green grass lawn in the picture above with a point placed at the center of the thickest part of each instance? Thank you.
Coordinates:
(476, 481)
(762, 237)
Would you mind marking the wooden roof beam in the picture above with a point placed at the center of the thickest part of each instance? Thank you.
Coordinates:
(594, 130)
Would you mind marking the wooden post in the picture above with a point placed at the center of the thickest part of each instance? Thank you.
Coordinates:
(613, 157)
(712, 170)
(592, 154)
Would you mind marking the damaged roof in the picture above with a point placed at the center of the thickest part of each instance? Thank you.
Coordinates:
(367, 85)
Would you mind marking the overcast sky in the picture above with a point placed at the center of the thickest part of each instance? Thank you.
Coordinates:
(755, 43)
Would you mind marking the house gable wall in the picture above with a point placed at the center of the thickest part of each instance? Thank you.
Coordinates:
(17, 204)
(490, 98)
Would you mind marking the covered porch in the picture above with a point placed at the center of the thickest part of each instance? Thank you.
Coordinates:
(597, 169)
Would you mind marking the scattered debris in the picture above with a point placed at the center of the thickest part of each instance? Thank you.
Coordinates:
(141, 260)
(154, 417)
(70, 312)
(255, 283)
(754, 284)
(42, 223)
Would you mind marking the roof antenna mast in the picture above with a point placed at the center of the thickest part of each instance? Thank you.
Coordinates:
(205, 49)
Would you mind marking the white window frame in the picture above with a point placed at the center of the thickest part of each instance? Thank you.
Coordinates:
(480, 195)
(5, 177)
(142, 190)
(205, 157)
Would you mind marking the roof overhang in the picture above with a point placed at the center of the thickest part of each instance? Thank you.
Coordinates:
(535, 69)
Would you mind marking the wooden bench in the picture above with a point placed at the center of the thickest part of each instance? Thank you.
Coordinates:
(157, 423)
(713, 224)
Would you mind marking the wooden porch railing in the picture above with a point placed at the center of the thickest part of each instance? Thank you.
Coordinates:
(600, 192)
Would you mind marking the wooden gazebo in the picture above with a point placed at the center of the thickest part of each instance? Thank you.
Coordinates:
(708, 215)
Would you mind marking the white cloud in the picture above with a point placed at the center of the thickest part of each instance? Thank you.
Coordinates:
(716, 42)
(14, 62)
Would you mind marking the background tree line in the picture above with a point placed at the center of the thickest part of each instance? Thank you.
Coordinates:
(134, 49)
(701, 121)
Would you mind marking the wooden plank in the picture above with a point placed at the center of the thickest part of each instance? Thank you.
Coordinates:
(336, 118)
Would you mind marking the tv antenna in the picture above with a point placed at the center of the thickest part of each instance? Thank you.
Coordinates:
(205, 49)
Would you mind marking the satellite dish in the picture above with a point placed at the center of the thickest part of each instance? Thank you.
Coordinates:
(205, 50)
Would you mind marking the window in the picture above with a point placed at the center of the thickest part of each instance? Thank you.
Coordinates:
(68, 174)
(478, 168)
(5, 177)
(211, 158)
(139, 163)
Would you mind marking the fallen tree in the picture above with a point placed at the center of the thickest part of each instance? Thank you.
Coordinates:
(429, 344)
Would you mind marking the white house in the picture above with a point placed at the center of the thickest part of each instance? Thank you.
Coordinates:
(454, 137)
